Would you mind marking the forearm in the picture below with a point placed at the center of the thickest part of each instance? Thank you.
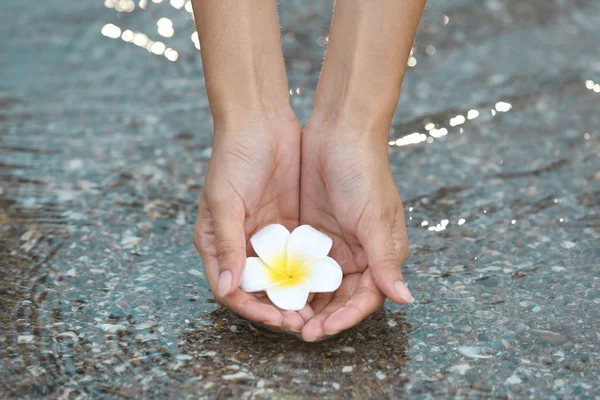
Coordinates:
(242, 59)
(369, 45)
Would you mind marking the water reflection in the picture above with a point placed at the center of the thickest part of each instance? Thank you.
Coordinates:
(164, 25)
(435, 131)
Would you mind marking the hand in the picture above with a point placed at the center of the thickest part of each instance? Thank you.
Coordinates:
(348, 192)
(252, 181)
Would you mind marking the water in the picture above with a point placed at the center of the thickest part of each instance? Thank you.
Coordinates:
(495, 148)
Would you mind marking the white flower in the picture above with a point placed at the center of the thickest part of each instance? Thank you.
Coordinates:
(289, 266)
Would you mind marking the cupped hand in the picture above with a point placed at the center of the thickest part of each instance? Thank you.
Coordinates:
(252, 181)
(348, 192)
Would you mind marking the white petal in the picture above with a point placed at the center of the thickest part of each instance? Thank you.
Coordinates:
(270, 243)
(305, 243)
(290, 297)
(256, 276)
(324, 274)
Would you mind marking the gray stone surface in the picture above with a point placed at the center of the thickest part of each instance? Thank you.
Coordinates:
(103, 148)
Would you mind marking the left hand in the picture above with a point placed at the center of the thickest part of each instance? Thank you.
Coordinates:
(347, 191)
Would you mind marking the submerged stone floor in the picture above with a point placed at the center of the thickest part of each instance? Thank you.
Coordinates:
(495, 147)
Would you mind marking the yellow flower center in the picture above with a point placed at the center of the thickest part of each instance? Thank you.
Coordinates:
(287, 272)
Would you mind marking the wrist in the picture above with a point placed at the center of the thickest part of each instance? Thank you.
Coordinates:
(241, 115)
(355, 101)
(353, 117)
(255, 120)
(253, 95)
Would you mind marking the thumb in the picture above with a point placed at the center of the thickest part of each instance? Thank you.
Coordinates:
(230, 245)
(385, 260)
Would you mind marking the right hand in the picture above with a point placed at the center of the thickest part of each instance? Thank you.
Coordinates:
(348, 192)
(252, 181)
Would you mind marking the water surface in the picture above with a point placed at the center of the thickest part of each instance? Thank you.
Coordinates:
(105, 134)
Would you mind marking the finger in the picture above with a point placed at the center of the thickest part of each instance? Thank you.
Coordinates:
(306, 313)
(363, 302)
(249, 307)
(230, 245)
(385, 260)
(321, 301)
(244, 304)
(204, 240)
(313, 329)
(292, 321)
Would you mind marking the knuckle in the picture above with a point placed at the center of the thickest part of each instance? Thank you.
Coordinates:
(390, 261)
(197, 238)
(218, 197)
(226, 249)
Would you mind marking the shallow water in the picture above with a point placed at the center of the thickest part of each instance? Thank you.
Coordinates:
(495, 147)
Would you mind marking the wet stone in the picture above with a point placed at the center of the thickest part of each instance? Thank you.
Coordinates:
(592, 293)
(553, 338)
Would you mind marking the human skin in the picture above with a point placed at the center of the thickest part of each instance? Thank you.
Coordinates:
(334, 176)
(347, 189)
(253, 175)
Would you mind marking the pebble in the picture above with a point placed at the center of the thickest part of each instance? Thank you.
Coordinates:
(180, 220)
(472, 352)
(195, 272)
(347, 369)
(129, 241)
(513, 379)
(592, 293)
(460, 368)
(25, 338)
(145, 325)
(236, 376)
(110, 328)
(533, 307)
(546, 360)
(550, 337)
(75, 164)
(348, 349)
(336, 385)
(72, 335)
(380, 375)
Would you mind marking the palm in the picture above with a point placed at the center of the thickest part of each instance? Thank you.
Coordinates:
(343, 192)
(253, 181)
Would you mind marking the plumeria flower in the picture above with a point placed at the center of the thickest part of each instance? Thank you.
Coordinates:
(289, 266)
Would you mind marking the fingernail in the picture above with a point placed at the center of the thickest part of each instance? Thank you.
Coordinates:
(310, 339)
(224, 283)
(273, 326)
(403, 292)
(330, 333)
